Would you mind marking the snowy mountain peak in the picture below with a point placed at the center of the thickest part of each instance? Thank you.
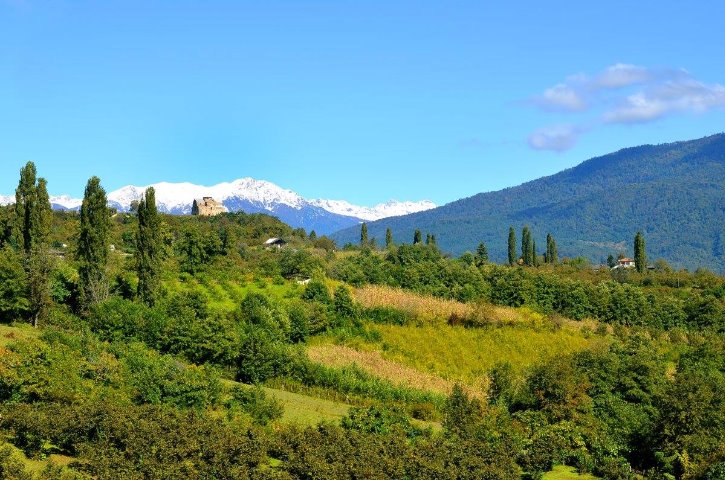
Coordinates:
(391, 208)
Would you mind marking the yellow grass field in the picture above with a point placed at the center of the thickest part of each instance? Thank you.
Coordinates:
(433, 355)
(374, 363)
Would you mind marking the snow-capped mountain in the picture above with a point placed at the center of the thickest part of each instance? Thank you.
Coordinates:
(6, 200)
(64, 202)
(253, 196)
(393, 208)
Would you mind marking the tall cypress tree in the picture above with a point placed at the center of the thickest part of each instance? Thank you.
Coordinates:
(481, 257)
(551, 255)
(640, 254)
(388, 237)
(527, 250)
(93, 246)
(417, 237)
(364, 235)
(148, 248)
(33, 218)
(512, 246)
(534, 258)
(26, 196)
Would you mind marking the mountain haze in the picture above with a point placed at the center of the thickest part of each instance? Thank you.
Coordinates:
(674, 193)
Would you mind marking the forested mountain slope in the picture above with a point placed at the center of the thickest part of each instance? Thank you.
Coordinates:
(674, 193)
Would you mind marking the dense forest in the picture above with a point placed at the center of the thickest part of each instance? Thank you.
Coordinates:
(672, 192)
(146, 346)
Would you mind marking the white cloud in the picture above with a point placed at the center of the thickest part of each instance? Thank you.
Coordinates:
(622, 75)
(554, 137)
(622, 93)
(561, 97)
(681, 96)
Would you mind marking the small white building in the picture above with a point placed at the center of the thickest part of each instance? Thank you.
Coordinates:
(625, 263)
(275, 243)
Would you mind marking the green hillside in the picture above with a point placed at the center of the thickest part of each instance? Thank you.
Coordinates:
(673, 193)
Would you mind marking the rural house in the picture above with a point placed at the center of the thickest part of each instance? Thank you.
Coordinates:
(625, 263)
(207, 207)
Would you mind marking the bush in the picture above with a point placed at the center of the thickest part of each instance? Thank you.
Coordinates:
(255, 402)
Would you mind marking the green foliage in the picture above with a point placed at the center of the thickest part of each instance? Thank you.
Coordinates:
(461, 413)
(14, 302)
(256, 403)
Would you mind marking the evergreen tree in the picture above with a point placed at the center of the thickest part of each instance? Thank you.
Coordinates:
(388, 237)
(427, 239)
(364, 235)
(313, 236)
(148, 248)
(481, 254)
(433, 240)
(93, 246)
(33, 217)
(640, 254)
(512, 246)
(417, 237)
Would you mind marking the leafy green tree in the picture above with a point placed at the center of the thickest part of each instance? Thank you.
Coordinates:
(461, 413)
(364, 242)
(388, 237)
(640, 254)
(417, 237)
(148, 248)
(342, 302)
(93, 245)
(512, 246)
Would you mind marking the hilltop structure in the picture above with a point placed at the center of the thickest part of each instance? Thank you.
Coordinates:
(207, 207)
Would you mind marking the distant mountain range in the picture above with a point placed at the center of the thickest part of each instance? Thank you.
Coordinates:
(252, 196)
(674, 193)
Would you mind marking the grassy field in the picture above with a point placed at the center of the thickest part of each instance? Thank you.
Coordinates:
(307, 410)
(562, 472)
(11, 333)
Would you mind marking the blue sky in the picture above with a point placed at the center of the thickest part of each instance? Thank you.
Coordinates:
(357, 100)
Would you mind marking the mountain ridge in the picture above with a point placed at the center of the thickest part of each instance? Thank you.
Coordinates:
(672, 192)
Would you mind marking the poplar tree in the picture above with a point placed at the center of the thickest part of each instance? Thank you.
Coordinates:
(433, 240)
(417, 237)
(93, 246)
(512, 246)
(364, 235)
(388, 237)
(33, 217)
(427, 239)
(640, 254)
(148, 248)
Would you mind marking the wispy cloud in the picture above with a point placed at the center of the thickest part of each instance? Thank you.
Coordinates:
(555, 137)
(621, 94)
